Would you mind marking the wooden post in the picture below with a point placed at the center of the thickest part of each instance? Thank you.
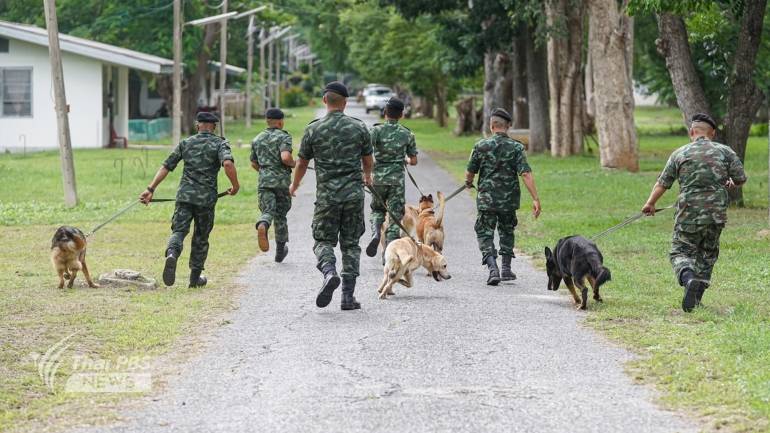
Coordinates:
(60, 100)
(249, 65)
(768, 161)
(278, 73)
(177, 101)
(262, 37)
(222, 69)
(269, 82)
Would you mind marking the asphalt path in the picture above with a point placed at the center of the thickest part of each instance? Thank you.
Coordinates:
(451, 356)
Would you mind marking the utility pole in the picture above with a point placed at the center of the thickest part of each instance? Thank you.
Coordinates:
(278, 73)
(177, 104)
(262, 38)
(60, 100)
(249, 65)
(270, 92)
(222, 69)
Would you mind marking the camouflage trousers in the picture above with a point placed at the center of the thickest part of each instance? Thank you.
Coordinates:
(395, 202)
(274, 204)
(486, 223)
(184, 215)
(343, 223)
(695, 247)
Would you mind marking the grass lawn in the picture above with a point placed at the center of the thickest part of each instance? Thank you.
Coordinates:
(110, 323)
(714, 362)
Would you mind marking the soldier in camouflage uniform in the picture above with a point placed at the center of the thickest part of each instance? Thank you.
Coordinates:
(271, 156)
(705, 170)
(499, 160)
(340, 146)
(203, 155)
(392, 142)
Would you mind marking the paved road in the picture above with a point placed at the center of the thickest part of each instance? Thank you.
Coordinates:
(455, 356)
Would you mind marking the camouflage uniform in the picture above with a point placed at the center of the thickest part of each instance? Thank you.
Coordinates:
(702, 168)
(274, 179)
(391, 142)
(203, 155)
(498, 160)
(337, 142)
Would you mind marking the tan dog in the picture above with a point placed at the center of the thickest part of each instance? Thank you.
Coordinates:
(402, 257)
(430, 223)
(68, 255)
(409, 221)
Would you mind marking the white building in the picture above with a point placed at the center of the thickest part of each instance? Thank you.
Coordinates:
(94, 74)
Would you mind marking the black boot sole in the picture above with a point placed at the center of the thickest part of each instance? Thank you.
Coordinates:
(169, 271)
(324, 297)
(690, 299)
(493, 281)
(280, 256)
(371, 249)
(348, 307)
(505, 278)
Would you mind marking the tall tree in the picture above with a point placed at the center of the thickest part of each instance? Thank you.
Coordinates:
(537, 90)
(608, 43)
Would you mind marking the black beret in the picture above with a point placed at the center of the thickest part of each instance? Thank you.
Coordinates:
(274, 113)
(705, 118)
(337, 87)
(206, 117)
(499, 112)
(395, 104)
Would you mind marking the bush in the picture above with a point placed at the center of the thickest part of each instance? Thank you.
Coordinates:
(294, 96)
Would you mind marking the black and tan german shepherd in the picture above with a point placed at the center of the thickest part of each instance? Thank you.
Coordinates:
(574, 260)
(68, 255)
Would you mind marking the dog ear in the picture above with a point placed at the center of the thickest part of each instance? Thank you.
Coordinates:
(548, 253)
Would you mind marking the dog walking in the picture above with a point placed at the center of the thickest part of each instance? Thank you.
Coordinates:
(499, 161)
(271, 158)
(706, 170)
(341, 146)
(203, 154)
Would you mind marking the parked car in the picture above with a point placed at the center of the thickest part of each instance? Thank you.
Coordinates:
(376, 98)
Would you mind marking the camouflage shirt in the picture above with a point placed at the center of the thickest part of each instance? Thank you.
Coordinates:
(203, 155)
(391, 142)
(266, 151)
(337, 142)
(498, 160)
(703, 168)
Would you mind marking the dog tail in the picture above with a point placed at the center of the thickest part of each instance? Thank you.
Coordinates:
(440, 213)
(603, 276)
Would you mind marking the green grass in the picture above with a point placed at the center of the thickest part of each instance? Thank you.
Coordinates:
(111, 323)
(713, 362)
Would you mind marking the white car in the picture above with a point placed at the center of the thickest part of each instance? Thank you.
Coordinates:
(376, 97)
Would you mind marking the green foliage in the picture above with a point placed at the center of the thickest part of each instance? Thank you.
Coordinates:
(294, 96)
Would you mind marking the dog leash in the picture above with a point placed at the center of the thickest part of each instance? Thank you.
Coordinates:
(414, 182)
(131, 205)
(625, 223)
(377, 197)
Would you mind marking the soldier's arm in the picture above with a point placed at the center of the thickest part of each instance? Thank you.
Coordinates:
(231, 174)
(287, 159)
(411, 151)
(253, 157)
(473, 167)
(735, 171)
(146, 196)
(254, 165)
(367, 161)
(529, 182)
(299, 173)
(665, 181)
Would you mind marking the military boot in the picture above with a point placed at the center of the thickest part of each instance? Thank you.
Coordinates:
(349, 301)
(494, 272)
(262, 240)
(281, 250)
(692, 287)
(371, 249)
(505, 271)
(331, 282)
(169, 269)
(699, 295)
(196, 279)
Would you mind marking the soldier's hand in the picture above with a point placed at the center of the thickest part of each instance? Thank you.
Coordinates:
(536, 209)
(730, 184)
(233, 189)
(293, 190)
(648, 209)
(368, 180)
(145, 197)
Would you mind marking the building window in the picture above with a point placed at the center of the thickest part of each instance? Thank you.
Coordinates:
(3, 45)
(16, 92)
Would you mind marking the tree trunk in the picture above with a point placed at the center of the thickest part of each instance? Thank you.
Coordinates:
(441, 105)
(520, 93)
(537, 89)
(614, 96)
(467, 121)
(498, 84)
(672, 44)
(564, 59)
(745, 97)
(425, 107)
(589, 115)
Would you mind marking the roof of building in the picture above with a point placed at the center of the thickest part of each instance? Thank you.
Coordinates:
(231, 69)
(88, 48)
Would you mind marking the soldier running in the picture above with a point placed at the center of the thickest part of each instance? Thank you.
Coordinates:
(271, 157)
(499, 160)
(203, 155)
(340, 146)
(705, 170)
(393, 145)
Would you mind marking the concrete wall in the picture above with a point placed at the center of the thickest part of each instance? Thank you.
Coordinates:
(83, 87)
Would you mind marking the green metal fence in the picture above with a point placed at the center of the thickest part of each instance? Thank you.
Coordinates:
(149, 130)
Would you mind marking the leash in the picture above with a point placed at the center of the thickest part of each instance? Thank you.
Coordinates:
(625, 223)
(377, 196)
(459, 190)
(131, 205)
(414, 182)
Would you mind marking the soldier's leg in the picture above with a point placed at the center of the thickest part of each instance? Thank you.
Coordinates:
(199, 247)
(267, 208)
(180, 226)
(283, 205)
(326, 227)
(506, 224)
(709, 249)
(352, 227)
(684, 260)
(396, 203)
(376, 219)
(485, 234)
